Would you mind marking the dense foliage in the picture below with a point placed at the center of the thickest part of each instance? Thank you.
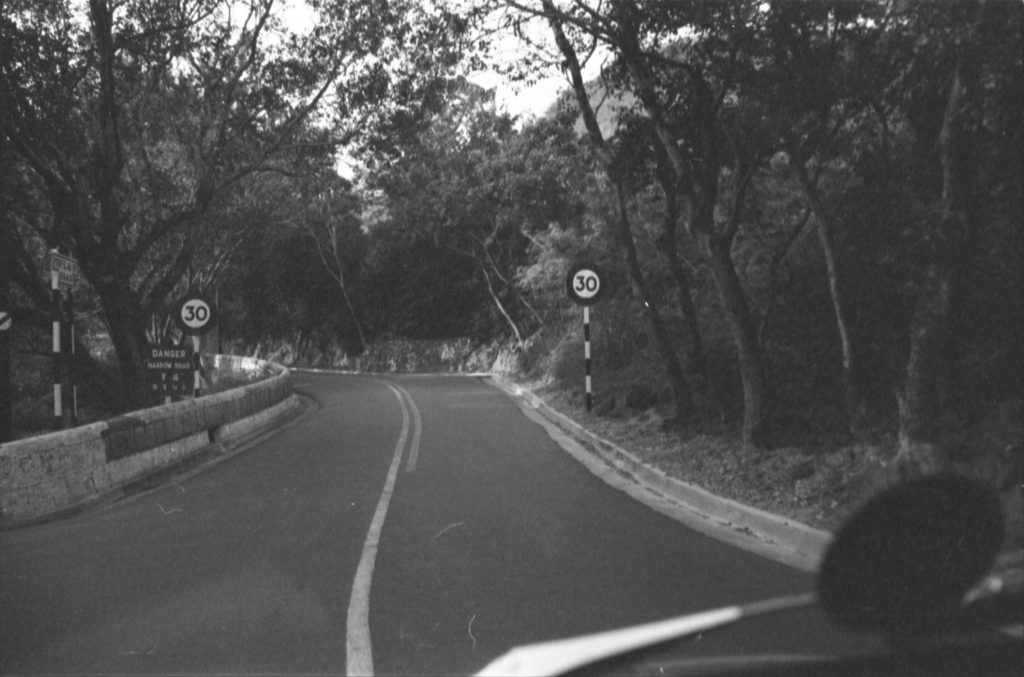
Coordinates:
(151, 140)
(810, 213)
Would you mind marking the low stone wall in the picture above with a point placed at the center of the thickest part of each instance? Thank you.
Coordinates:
(410, 356)
(395, 355)
(48, 474)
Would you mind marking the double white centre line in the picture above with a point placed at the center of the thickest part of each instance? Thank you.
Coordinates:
(359, 648)
(417, 430)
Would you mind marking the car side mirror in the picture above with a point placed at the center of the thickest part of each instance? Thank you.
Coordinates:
(903, 563)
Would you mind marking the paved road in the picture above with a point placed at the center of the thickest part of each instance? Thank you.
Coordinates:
(403, 525)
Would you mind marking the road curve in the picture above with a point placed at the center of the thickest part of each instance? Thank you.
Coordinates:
(491, 536)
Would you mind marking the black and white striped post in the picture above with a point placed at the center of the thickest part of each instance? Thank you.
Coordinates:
(586, 357)
(63, 276)
(6, 387)
(585, 289)
(6, 324)
(58, 375)
(70, 368)
(197, 366)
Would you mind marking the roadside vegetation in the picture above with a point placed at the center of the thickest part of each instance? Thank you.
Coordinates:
(809, 214)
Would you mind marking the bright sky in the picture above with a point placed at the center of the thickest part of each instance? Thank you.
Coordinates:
(535, 99)
(510, 49)
(522, 101)
(298, 16)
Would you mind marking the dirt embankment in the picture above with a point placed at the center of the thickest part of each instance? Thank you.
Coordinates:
(815, 485)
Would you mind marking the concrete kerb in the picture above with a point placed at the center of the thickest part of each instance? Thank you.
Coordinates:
(404, 374)
(779, 538)
(237, 432)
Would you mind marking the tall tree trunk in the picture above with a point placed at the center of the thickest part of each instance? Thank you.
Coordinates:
(499, 305)
(920, 409)
(6, 267)
(336, 269)
(352, 314)
(669, 246)
(773, 277)
(127, 333)
(699, 182)
(124, 320)
(6, 328)
(343, 288)
(627, 247)
(856, 407)
(928, 365)
(94, 378)
(744, 333)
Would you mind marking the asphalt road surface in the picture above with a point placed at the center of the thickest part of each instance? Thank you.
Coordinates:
(401, 525)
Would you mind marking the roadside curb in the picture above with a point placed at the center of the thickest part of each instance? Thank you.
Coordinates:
(774, 536)
(244, 434)
(291, 412)
(378, 374)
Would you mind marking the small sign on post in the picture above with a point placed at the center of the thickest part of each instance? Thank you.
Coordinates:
(195, 314)
(585, 287)
(63, 271)
(169, 370)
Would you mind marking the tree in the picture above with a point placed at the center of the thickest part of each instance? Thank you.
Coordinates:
(956, 54)
(470, 183)
(820, 86)
(622, 227)
(689, 90)
(332, 223)
(139, 125)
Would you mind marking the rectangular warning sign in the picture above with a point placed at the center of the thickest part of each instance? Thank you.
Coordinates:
(170, 370)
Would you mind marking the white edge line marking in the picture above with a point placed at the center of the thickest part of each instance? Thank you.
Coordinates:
(358, 647)
(417, 430)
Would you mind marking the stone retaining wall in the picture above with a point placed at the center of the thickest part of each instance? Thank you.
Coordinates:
(52, 473)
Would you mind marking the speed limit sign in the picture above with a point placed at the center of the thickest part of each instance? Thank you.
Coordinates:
(585, 284)
(195, 314)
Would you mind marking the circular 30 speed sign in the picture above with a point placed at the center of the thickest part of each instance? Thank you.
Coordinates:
(195, 314)
(585, 284)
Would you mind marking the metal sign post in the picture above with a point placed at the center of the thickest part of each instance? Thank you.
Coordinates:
(70, 368)
(585, 288)
(586, 357)
(197, 366)
(6, 323)
(58, 395)
(6, 388)
(63, 277)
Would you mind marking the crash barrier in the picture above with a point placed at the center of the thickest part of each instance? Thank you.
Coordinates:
(50, 474)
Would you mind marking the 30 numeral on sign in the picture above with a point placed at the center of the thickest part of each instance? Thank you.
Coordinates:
(195, 314)
(584, 284)
(587, 283)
